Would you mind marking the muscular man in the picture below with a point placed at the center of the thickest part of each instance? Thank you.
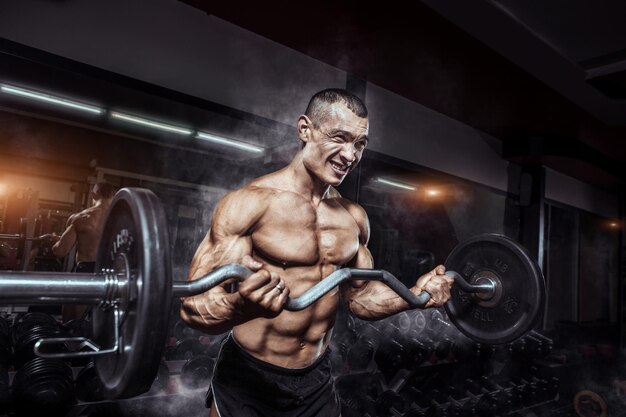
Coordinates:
(84, 229)
(293, 229)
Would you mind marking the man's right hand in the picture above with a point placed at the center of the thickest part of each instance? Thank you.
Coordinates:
(263, 293)
(48, 239)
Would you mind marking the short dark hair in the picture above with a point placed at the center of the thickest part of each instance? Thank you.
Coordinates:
(317, 109)
(103, 190)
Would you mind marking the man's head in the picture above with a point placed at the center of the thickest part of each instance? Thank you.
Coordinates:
(102, 191)
(320, 104)
(333, 131)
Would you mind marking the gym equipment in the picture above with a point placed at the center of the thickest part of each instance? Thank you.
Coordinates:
(498, 293)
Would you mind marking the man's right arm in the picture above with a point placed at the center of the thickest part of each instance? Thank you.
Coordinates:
(229, 241)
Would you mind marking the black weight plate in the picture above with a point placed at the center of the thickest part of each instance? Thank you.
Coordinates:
(88, 386)
(5, 333)
(185, 349)
(28, 320)
(517, 304)
(134, 237)
(197, 372)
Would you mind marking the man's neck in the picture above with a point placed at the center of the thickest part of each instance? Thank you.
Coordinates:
(304, 183)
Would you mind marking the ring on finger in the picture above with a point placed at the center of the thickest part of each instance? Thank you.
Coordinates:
(279, 288)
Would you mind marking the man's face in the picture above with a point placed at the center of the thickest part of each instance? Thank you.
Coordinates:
(335, 146)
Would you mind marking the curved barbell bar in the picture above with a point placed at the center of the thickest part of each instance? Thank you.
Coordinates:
(237, 271)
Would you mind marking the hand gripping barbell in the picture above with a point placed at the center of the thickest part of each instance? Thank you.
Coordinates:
(497, 296)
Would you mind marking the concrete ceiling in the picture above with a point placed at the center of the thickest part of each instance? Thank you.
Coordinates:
(553, 70)
(576, 47)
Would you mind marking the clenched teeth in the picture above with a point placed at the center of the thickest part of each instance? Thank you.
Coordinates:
(339, 167)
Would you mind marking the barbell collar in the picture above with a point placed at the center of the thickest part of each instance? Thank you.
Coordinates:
(487, 287)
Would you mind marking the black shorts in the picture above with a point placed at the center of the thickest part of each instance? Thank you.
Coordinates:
(244, 386)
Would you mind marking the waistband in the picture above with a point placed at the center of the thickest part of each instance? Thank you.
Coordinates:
(270, 367)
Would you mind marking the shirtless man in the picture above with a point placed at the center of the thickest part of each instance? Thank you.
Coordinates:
(293, 229)
(84, 229)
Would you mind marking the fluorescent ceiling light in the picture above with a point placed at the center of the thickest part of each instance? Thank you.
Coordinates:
(395, 184)
(150, 123)
(229, 142)
(60, 101)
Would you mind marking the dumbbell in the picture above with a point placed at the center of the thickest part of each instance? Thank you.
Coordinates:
(464, 350)
(5, 395)
(443, 347)
(361, 354)
(357, 393)
(43, 386)
(30, 328)
(184, 349)
(389, 357)
(389, 402)
(197, 372)
(416, 353)
(88, 387)
(5, 343)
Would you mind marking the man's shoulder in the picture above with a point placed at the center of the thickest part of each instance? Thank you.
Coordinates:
(239, 210)
(86, 216)
(243, 204)
(356, 211)
(79, 217)
(249, 194)
(347, 204)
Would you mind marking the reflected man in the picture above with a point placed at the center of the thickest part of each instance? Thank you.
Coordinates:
(84, 229)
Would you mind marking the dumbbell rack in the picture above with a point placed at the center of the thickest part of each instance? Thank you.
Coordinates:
(174, 385)
(174, 388)
(397, 381)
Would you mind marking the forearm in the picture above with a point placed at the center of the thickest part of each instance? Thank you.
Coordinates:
(374, 301)
(213, 312)
(59, 251)
(65, 243)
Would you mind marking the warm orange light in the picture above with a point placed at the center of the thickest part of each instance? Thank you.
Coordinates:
(615, 225)
(3, 188)
(433, 192)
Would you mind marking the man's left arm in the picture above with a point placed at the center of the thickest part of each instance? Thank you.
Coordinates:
(373, 300)
(66, 242)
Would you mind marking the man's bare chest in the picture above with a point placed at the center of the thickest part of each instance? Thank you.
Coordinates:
(296, 233)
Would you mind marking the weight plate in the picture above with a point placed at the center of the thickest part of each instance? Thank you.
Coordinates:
(589, 404)
(135, 245)
(519, 297)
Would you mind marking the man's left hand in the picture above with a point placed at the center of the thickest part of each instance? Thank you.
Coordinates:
(437, 284)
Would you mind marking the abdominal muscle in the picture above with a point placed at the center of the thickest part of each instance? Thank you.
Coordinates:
(293, 339)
